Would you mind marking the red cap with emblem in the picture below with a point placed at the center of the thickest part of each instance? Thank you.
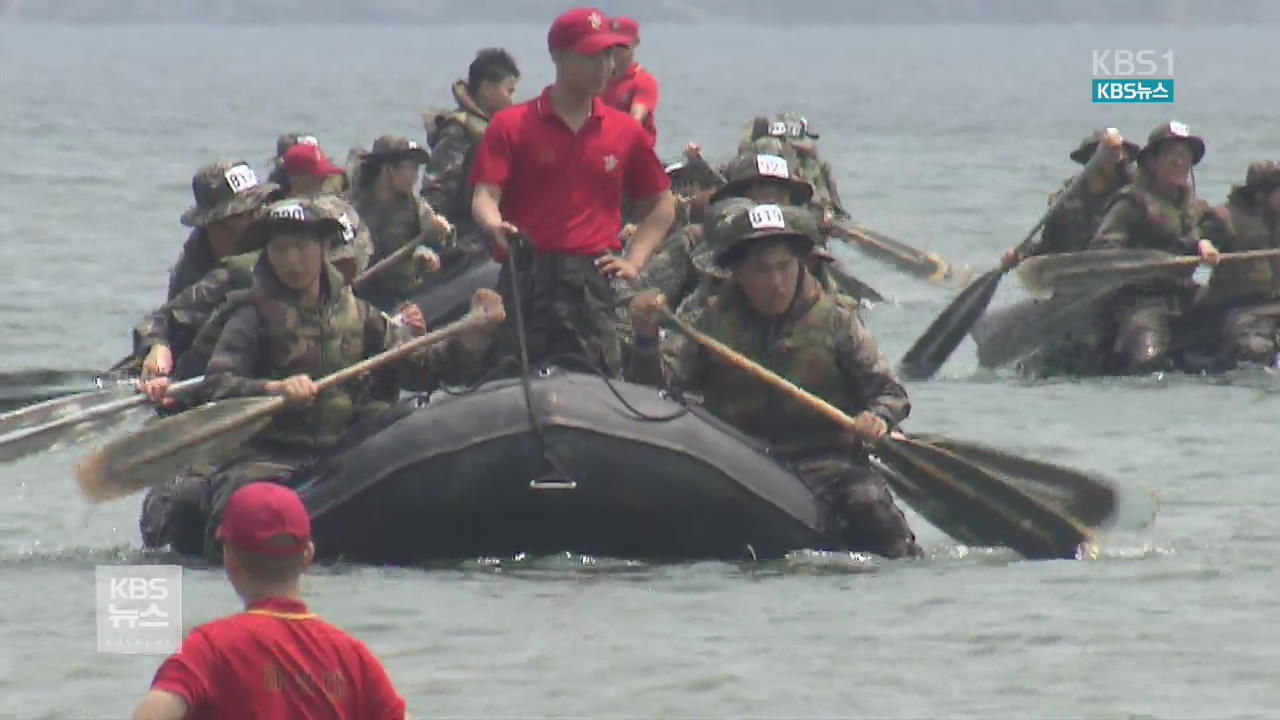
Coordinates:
(627, 27)
(264, 517)
(585, 31)
(304, 159)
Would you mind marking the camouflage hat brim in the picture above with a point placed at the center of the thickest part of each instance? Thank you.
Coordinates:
(263, 229)
(1082, 154)
(1195, 141)
(703, 259)
(250, 199)
(732, 247)
(801, 192)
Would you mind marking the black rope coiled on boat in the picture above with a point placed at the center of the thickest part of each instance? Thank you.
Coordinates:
(608, 382)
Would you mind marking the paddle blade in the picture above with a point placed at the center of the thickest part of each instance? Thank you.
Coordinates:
(66, 430)
(960, 497)
(1091, 500)
(154, 454)
(926, 265)
(944, 334)
(59, 408)
(1013, 332)
(1095, 270)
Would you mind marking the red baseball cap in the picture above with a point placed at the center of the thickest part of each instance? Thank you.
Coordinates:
(627, 27)
(585, 31)
(259, 513)
(304, 159)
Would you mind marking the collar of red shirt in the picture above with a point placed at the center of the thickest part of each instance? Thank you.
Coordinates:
(546, 110)
(279, 605)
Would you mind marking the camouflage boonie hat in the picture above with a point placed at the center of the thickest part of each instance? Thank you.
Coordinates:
(395, 148)
(1085, 151)
(1263, 175)
(222, 190)
(302, 213)
(791, 128)
(751, 167)
(1173, 131)
(351, 244)
(765, 221)
(714, 226)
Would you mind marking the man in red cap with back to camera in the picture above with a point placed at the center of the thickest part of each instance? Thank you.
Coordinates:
(632, 89)
(555, 170)
(275, 659)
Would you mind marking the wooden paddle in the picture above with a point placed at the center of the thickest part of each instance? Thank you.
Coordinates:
(73, 416)
(944, 334)
(1102, 270)
(926, 265)
(156, 453)
(992, 510)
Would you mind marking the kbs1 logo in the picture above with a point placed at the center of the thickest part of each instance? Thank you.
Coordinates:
(1132, 76)
(139, 608)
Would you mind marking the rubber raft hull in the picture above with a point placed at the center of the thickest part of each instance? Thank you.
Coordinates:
(467, 476)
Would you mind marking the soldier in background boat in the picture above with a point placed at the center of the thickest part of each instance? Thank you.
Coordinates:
(773, 311)
(1159, 210)
(794, 130)
(1245, 295)
(227, 195)
(307, 172)
(453, 137)
(632, 89)
(385, 195)
(301, 322)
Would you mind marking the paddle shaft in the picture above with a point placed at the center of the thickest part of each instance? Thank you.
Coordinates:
(272, 405)
(1099, 158)
(1191, 260)
(401, 253)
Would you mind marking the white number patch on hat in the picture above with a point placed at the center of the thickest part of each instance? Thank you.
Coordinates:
(778, 129)
(241, 178)
(307, 140)
(795, 129)
(413, 145)
(348, 230)
(1179, 129)
(772, 166)
(289, 212)
(766, 217)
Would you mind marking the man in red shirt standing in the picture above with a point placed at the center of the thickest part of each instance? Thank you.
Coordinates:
(632, 89)
(274, 660)
(554, 170)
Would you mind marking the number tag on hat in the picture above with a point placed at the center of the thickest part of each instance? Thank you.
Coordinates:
(289, 212)
(1179, 129)
(241, 178)
(772, 166)
(412, 145)
(778, 129)
(348, 230)
(766, 217)
(795, 129)
(307, 140)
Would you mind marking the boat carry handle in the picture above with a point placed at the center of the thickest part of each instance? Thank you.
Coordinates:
(549, 484)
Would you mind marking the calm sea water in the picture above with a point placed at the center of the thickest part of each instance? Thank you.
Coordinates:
(947, 137)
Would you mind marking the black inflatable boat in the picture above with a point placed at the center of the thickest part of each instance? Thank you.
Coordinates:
(471, 475)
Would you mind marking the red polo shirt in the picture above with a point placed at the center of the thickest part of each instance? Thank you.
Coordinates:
(637, 86)
(276, 660)
(564, 189)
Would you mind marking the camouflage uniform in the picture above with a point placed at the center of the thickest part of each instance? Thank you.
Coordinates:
(453, 137)
(185, 322)
(1139, 217)
(821, 346)
(393, 225)
(1078, 348)
(1247, 292)
(271, 337)
(221, 190)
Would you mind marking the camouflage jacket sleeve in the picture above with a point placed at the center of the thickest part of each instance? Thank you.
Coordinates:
(859, 356)
(676, 361)
(669, 271)
(445, 175)
(1117, 226)
(453, 361)
(234, 366)
(1215, 227)
(179, 320)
